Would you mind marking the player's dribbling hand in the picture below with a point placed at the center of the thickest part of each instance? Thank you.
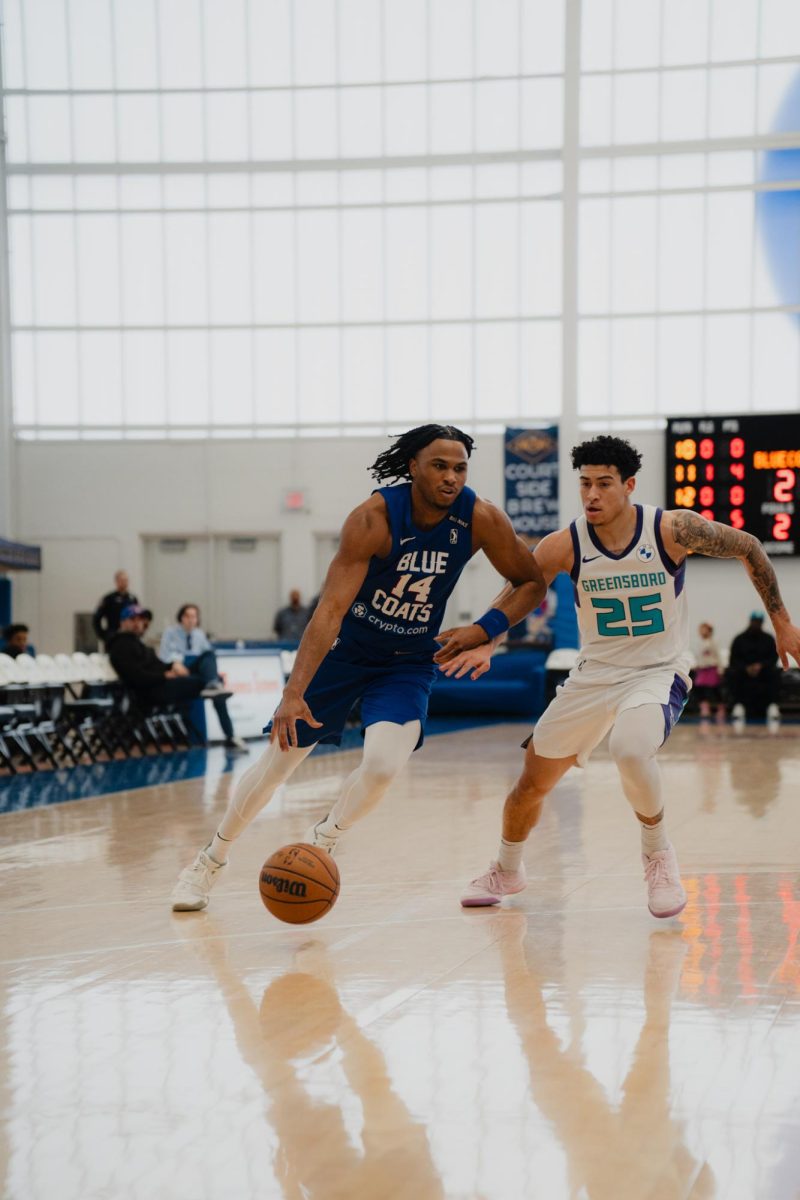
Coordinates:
(477, 661)
(284, 723)
(456, 641)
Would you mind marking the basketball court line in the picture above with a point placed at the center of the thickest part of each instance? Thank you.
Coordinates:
(14, 847)
(460, 915)
(386, 888)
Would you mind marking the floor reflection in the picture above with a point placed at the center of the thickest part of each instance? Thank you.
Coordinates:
(325, 1083)
(603, 1141)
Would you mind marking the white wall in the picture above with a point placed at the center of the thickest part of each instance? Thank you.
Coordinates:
(89, 504)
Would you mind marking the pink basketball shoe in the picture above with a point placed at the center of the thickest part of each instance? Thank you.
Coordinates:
(665, 894)
(493, 885)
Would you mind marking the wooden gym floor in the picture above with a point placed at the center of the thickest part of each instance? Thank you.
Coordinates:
(568, 1045)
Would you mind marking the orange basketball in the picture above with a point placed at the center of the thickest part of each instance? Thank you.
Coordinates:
(299, 883)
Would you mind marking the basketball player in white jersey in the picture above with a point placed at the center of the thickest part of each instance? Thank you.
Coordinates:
(627, 562)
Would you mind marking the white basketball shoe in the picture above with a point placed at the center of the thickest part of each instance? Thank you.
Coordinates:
(315, 837)
(191, 892)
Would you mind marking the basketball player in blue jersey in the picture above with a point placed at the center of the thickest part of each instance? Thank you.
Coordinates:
(627, 562)
(373, 636)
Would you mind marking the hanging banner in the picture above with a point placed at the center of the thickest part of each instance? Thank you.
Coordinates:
(15, 556)
(531, 481)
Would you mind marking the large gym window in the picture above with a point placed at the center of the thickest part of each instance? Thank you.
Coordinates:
(689, 267)
(251, 217)
(234, 218)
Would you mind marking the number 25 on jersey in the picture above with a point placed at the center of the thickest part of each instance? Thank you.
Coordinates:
(643, 617)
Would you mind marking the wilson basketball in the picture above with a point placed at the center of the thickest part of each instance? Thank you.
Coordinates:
(299, 883)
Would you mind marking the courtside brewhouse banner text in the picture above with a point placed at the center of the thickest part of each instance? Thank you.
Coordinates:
(531, 481)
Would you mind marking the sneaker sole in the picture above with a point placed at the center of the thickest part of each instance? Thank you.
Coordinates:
(481, 903)
(672, 912)
(185, 906)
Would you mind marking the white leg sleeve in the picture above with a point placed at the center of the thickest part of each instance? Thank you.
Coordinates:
(637, 735)
(257, 786)
(387, 749)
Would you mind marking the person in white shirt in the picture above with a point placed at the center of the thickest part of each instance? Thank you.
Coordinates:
(178, 641)
(708, 674)
(187, 643)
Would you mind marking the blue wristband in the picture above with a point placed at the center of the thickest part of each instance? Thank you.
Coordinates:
(493, 622)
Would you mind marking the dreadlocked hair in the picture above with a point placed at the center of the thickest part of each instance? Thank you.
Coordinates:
(607, 451)
(394, 462)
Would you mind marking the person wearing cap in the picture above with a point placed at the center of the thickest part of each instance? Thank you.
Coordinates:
(753, 677)
(106, 617)
(157, 682)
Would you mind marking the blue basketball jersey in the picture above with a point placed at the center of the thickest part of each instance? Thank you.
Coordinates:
(401, 603)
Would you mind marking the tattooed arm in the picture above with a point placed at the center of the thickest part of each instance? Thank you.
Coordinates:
(683, 530)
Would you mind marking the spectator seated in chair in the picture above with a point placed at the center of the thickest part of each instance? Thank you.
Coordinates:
(185, 642)
(753, 678)
(154, 682)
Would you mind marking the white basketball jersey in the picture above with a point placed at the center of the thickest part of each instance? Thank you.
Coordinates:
(631, 606)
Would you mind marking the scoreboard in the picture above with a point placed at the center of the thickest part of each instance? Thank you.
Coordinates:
(744, 471)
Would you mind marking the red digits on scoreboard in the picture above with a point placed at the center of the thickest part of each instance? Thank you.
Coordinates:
(737, 471)
(709, 471)
(737, 519)
(706, 496)
(707, 448)
(780, 528)
(707, 513)
(737, 447)
(736, 495)
(784, 486)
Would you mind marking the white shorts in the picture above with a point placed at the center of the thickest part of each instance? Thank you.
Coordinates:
(591, 698)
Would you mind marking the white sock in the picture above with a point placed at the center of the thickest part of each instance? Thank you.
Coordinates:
(218, 849)
(654, 838)
(509, 855)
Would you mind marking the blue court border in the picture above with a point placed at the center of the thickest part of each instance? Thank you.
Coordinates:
(41, 788)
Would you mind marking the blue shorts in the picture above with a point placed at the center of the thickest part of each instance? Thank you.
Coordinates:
(391, 688)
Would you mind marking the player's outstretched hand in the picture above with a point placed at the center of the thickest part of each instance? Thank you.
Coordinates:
(477, 661)
(787, 640)
(457, 640)
(291, 709)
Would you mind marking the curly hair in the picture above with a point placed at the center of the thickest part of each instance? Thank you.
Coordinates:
(394, 462)
(607, 451)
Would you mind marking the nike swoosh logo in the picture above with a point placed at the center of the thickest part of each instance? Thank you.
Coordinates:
(592, 559)
(404, 540)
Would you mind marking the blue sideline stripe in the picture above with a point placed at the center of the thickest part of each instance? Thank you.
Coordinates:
(40, 788)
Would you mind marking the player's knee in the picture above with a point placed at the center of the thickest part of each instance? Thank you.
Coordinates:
(635, 745)
(529, 789)
(379, 773)
(618, 747)
(630, 760)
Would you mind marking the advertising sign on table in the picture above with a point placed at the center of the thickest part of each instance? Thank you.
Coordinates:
(256, 681)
